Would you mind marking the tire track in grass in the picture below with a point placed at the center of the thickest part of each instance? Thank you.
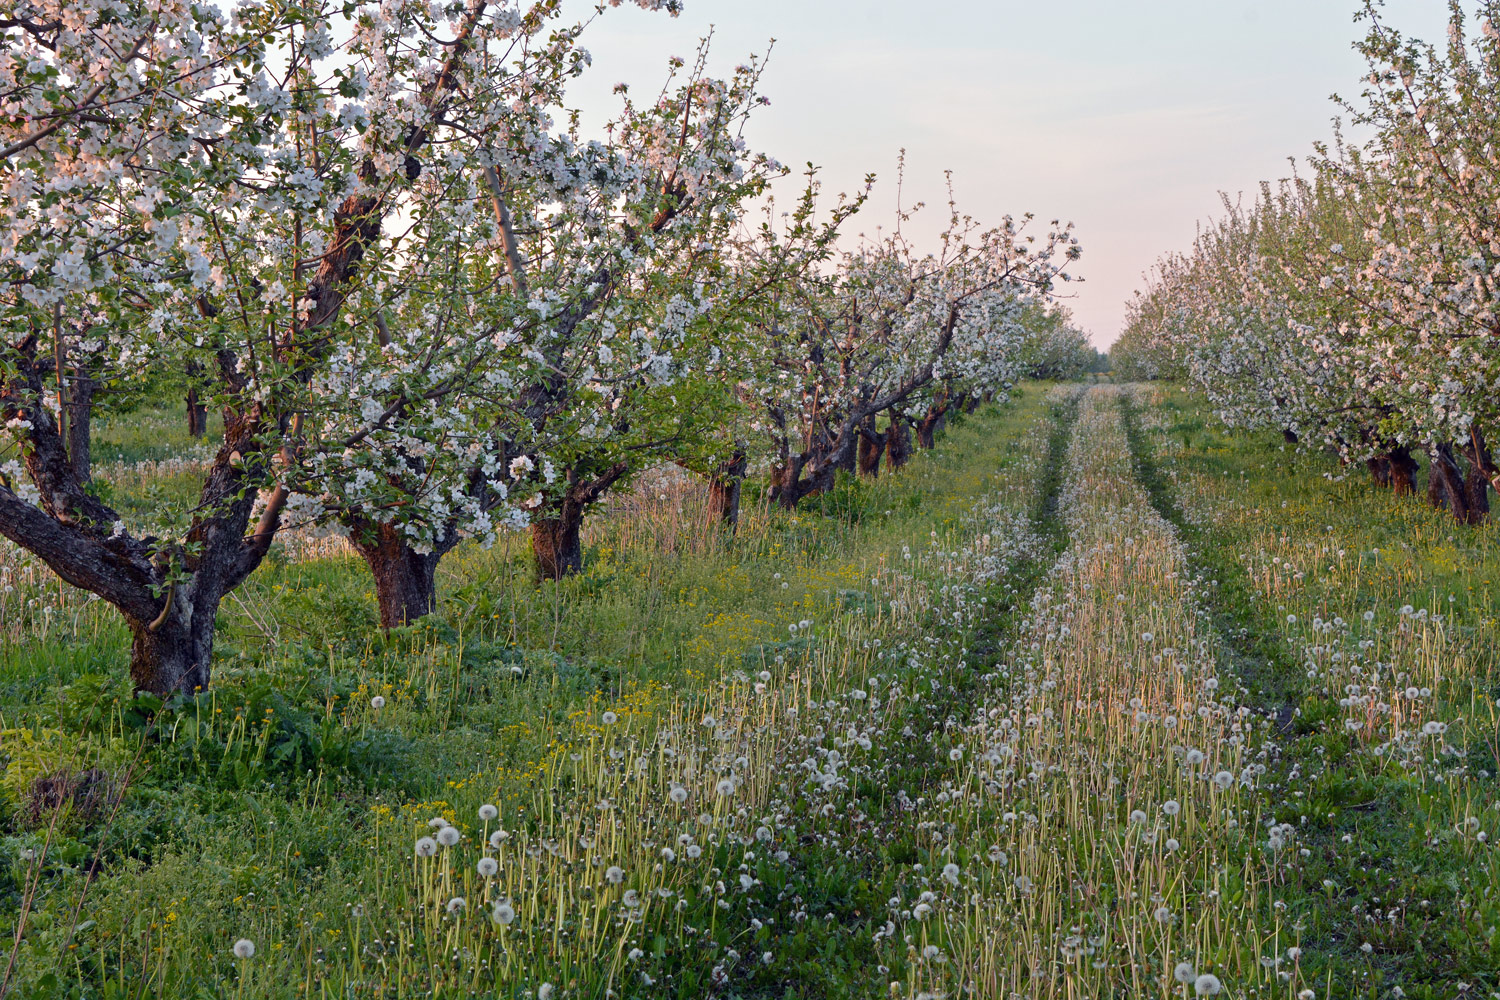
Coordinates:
(1261, 661)
(1096, 833)
(872, 842)
(1372, 868)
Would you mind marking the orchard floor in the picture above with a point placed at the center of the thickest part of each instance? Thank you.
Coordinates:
(1093, 700)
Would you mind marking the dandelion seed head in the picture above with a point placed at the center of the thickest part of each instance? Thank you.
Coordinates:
(377, 702)
(488, 867)
(1207, 985)
(426, 847)
(448, 836)
(244, 948)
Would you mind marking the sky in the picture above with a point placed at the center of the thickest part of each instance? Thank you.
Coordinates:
(1126, 117)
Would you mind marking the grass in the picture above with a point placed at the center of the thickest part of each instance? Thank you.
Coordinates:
(283, 806)
(1371, 619)
(1095, 699)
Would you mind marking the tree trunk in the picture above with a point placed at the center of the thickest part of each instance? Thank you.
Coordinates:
(724, 487)
(1289, 436)
(80, 424)
(172, 654)
(1477, 479)
(556, 527)
(405, 580)
(793, 486)
(872, 444)
(1402, 469)
(197, 415)
(1380, 470)
(897, 442)
(1445, 485)
(927, 429)
(556, 542)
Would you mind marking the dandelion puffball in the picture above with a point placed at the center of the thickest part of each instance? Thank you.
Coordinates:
(614, 874)
(456, 904)
(1207, 985)
(244, 948)
(488, 812)
(1224, 779)
(609, 718)
(1171, 807)
(488, 867)
(377, 702)
(503, 913)
(1183, 973)
(544, 992)
(448, 836)
(426, 847)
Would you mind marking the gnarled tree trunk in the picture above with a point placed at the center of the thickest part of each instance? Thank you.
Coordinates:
(724, 487)
(556, 528)
(871, 446)
(897, 441)
(405, 579)
(197, 415)
(1402, 469)
(1394, 469)
(1446, 486)
(1477, 479)
(927, 428)
(556, 542)
(80, 425)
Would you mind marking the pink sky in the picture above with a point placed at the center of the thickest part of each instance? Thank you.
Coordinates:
(1127, 118)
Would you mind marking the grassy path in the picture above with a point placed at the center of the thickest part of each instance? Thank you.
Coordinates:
(683, 801)
(1385, 696)
(1048, 715)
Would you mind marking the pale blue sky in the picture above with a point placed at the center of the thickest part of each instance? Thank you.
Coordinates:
(1126, 117)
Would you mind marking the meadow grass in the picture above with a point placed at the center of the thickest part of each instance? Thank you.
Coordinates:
(1096, 699)
(1367, 624)
(284, 806)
